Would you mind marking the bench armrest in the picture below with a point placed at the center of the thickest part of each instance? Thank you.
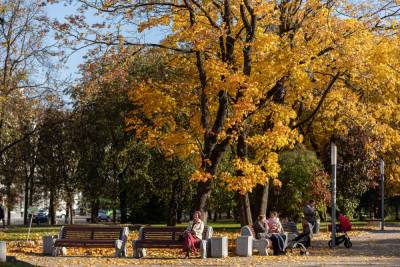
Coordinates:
(124, 235)
(141, 229)
(246, 231)
(209, 233)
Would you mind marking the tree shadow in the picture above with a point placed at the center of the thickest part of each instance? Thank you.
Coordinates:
(12, 261)
(391, 231)
(389, 247)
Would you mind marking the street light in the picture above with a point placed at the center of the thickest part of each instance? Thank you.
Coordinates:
(382, 172)
(333, 163)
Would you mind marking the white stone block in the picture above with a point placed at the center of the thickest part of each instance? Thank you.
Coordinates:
(244, 246)
(219, 247)
(3, 251)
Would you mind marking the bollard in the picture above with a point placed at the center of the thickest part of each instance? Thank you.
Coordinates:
(3, 251)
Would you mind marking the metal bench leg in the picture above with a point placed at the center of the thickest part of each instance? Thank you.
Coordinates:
(262, 246)
(59, 251)
(118, 248)
(139, 253)
(203, 249)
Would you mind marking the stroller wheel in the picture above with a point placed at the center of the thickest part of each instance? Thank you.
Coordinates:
(304, 253)
(330, 243)
(348, 244)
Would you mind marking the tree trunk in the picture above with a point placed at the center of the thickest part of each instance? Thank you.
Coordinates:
(114, 215)
(264, 199)
(228, 214)
(69, 211)
(71, 215)
(8, 216)
(202, 197)
(245, 210)
(173, 204)
(67, 214)
(26, 201)
(179, 215)
(212, 151)
(94, 211)
(10, 201)
(52, 208)
(122, 198)
(31, 190)
(215, 216)
(397, 208)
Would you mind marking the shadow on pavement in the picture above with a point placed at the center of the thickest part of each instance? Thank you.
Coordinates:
(12, 261)
(391, 231)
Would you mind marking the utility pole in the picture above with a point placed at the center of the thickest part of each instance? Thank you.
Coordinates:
(333, 163)
(382, 172)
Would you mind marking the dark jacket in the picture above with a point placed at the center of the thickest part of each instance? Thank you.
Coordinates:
(260, 229)
(309, 213)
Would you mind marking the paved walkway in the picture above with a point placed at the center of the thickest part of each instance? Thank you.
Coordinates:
(369, 248)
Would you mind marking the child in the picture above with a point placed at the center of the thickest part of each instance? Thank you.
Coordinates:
(274, 224)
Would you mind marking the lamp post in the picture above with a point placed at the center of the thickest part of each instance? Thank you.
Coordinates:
(382, 172)
(333, 163)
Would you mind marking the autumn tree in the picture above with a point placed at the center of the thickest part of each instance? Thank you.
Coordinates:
(259, 76)
(23, 52)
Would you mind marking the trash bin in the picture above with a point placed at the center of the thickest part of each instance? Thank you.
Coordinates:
(317, 226)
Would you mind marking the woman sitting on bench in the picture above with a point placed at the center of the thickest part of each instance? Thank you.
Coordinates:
(193, 234)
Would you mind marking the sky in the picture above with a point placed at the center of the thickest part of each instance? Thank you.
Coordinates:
(59, 11)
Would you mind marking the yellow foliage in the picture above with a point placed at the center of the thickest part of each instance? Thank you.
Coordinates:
(321, 46)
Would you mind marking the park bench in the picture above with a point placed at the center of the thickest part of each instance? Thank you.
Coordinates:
(291, 229)
(91, 237)
(167, 237)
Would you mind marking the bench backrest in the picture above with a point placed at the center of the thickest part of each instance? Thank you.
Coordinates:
(161, 233)
(290, 227)
(169, 233)
(207, 232)
(92, 232)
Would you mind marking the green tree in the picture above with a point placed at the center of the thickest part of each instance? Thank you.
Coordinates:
(299, 169)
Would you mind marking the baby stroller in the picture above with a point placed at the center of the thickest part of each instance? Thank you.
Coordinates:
(343, 227)
(300, 240)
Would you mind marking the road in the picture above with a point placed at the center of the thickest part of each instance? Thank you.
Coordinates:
(18, 220)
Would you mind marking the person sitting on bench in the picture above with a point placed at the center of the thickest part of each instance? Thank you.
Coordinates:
(261, 227)
(193, 234)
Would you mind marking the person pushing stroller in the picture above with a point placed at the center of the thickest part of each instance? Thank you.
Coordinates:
(303, 240)
(310, 219)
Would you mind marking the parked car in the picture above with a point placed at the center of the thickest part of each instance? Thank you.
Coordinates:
(40, 217)
(101, 217)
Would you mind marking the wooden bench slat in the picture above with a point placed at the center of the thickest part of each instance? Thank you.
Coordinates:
(88, 236)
